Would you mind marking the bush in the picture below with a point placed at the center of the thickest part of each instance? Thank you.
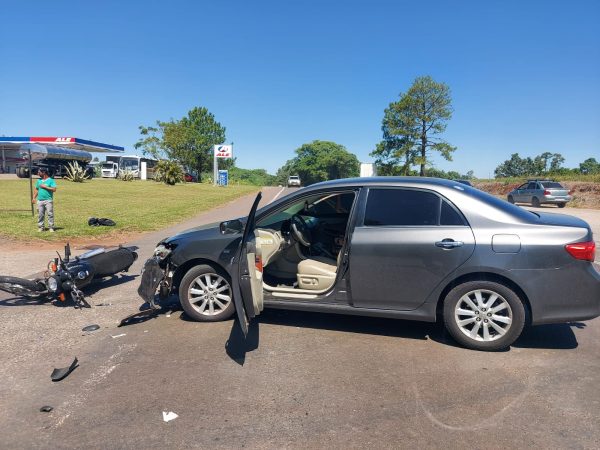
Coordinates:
(76, 173)
(126, 175)
(168, 172)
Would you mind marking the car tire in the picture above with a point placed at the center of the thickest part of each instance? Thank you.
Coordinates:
(535, 202)
(200, 302)
(562, 205)
(505, 315)
(511, 199)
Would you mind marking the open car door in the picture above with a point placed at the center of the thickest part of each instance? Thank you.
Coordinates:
(248, 284)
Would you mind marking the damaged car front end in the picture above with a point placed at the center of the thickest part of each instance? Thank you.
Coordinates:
(157, 275)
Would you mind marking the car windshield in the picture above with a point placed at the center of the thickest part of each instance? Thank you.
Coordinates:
(293, 178)
(107, 166)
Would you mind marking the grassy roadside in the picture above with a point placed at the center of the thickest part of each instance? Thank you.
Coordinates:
(135, 206)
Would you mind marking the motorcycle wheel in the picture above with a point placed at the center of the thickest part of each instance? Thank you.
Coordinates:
(22, 287)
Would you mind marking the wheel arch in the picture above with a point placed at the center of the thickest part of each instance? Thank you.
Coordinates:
(181, 270)
(485, 276)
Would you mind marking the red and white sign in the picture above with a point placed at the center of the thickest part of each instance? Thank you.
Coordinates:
(56, 140)
(223, 151)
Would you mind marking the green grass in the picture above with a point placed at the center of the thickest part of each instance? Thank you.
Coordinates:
(135, 206)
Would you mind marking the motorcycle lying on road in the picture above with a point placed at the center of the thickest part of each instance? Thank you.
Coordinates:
(67, 276)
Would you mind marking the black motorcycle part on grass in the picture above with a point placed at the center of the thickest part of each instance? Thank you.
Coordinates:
(111, 262)
(59, 374)
(152, 275)
(21, 286)
(94, 222)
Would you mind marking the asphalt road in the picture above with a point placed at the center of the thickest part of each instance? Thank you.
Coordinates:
(301, 380)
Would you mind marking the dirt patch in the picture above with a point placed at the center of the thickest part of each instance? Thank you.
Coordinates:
(585, 194)
(13, 245)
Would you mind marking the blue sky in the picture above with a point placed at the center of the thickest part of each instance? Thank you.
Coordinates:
(525, 76)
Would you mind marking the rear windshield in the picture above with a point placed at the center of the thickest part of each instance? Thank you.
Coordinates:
(552, 184)
(503, 205)
(293, 178)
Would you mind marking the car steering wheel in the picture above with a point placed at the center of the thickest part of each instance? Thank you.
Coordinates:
(301, 231)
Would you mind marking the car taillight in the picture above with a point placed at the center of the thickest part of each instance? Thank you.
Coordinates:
(585, 251)
(547, 192)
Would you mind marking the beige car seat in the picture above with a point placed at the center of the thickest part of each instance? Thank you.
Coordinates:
(317, 273)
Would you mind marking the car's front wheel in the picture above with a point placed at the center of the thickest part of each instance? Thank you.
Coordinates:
(205, 294)
(511, 199)
(484, 315)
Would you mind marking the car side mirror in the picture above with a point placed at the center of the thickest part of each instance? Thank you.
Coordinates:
(231, 226)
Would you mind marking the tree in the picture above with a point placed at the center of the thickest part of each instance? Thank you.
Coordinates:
(412, 126)
(589, 166)
(320, 161)
(188, 141)
(543, 164)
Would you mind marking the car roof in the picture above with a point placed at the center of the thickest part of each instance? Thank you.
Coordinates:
(378, 181)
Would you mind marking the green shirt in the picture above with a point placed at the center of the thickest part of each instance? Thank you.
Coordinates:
(43, 194)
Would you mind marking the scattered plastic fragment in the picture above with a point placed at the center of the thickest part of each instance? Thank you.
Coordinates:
(118, 335)
(59, 374)
(91, 328)
(168, 315)
(168, 416)
(104, 304)
(46, 408)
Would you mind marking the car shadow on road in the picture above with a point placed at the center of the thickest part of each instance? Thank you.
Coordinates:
(554, 336)
(557, 336)
(352, 324)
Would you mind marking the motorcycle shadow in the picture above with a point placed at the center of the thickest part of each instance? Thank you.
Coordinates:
(11, 300)
(114, 280)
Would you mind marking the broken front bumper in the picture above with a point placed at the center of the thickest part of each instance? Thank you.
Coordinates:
(152, 277)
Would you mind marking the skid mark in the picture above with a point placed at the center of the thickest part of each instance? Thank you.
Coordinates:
(487, 422)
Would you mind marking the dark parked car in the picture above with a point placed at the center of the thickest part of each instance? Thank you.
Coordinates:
(408, 248)
(538, 192)
(189, 178)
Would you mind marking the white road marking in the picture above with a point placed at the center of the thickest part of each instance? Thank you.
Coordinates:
(277, 195)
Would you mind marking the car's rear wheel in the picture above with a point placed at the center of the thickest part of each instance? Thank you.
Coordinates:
(484, 315)
(562, 205)
(511, 199)
(205, 294)
(535, 202)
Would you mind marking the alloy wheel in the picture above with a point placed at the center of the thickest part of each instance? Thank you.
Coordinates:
(483, 315)
(209, 294)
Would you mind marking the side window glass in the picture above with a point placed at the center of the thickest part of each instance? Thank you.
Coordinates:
(450, 216)
(531, 186)
(389, 207)
(523, 186)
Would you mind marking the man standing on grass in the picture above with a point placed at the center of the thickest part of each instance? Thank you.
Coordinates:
(44, 193)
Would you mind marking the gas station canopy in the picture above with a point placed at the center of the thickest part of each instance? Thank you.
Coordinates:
(14, 143)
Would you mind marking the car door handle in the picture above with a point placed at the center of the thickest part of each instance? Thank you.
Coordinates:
(449, 243)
